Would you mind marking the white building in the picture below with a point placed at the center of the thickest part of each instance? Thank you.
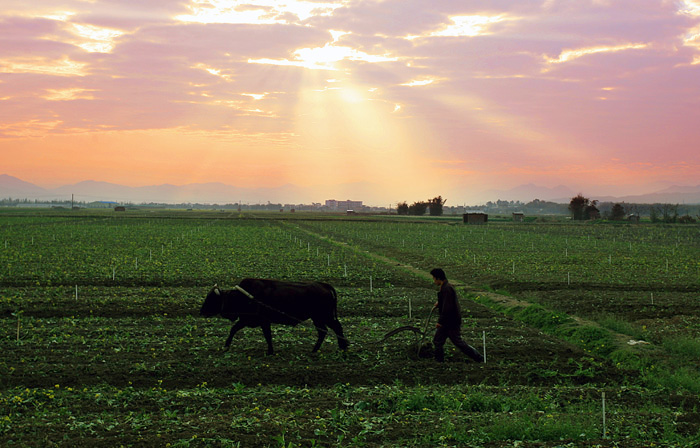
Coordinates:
(344, 205)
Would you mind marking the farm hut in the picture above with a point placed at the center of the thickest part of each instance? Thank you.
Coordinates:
(633, 219)
(518, 216)
(119, 208)
(475, 218)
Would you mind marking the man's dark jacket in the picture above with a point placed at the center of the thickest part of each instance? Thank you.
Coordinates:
(448, 306)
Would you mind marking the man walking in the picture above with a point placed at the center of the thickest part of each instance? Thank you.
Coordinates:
(449, 320)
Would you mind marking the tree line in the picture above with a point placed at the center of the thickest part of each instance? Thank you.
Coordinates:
(419, 208)
(583, 208)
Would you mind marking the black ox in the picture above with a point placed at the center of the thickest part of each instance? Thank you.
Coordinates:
(260, 303)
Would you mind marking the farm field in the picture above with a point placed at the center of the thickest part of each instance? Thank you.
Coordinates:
(103, 346)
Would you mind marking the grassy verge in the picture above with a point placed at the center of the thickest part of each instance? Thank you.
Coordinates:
(673, 365)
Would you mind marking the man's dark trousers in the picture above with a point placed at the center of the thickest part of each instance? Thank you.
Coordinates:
(455, 336)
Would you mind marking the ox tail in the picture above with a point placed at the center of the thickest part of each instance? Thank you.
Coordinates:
(335, 301)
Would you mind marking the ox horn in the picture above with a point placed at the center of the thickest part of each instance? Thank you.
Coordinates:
(216, 289)
(246, 293)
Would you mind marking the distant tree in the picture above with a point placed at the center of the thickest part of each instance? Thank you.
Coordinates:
(617, 213)
(402, 208)
(578, 205)
(653, 213)
(418, 208)
(669, 212)
(435, 205)
(591, 211)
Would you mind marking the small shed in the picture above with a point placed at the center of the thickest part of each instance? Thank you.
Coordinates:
(475, 218)
(119, 208)
(633, 219)
(518, 216)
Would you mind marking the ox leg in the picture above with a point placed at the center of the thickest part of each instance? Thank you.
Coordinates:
(267, 332)
(322, 331)
(234, 329)
(338, 329)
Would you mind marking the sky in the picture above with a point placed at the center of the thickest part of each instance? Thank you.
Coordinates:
(404, 99)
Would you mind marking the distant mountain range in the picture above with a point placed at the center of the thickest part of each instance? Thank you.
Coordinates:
(562, 194)
(205, 193)
(219, 193)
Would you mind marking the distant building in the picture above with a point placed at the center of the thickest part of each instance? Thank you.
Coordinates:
(475, 218)
(119, 208)
(518, 216)
(344, 205)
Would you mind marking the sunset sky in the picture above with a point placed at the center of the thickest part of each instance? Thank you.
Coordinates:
(407, 99)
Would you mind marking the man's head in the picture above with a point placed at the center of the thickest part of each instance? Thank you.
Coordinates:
(438, 275)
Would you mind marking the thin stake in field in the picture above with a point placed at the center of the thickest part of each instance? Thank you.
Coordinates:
(484, 339)
(604, 431)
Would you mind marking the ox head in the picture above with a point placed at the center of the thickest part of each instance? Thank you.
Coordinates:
(213, 303)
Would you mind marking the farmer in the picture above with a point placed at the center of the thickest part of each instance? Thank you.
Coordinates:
(449, 320)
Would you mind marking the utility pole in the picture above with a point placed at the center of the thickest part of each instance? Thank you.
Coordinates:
(71, 201)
